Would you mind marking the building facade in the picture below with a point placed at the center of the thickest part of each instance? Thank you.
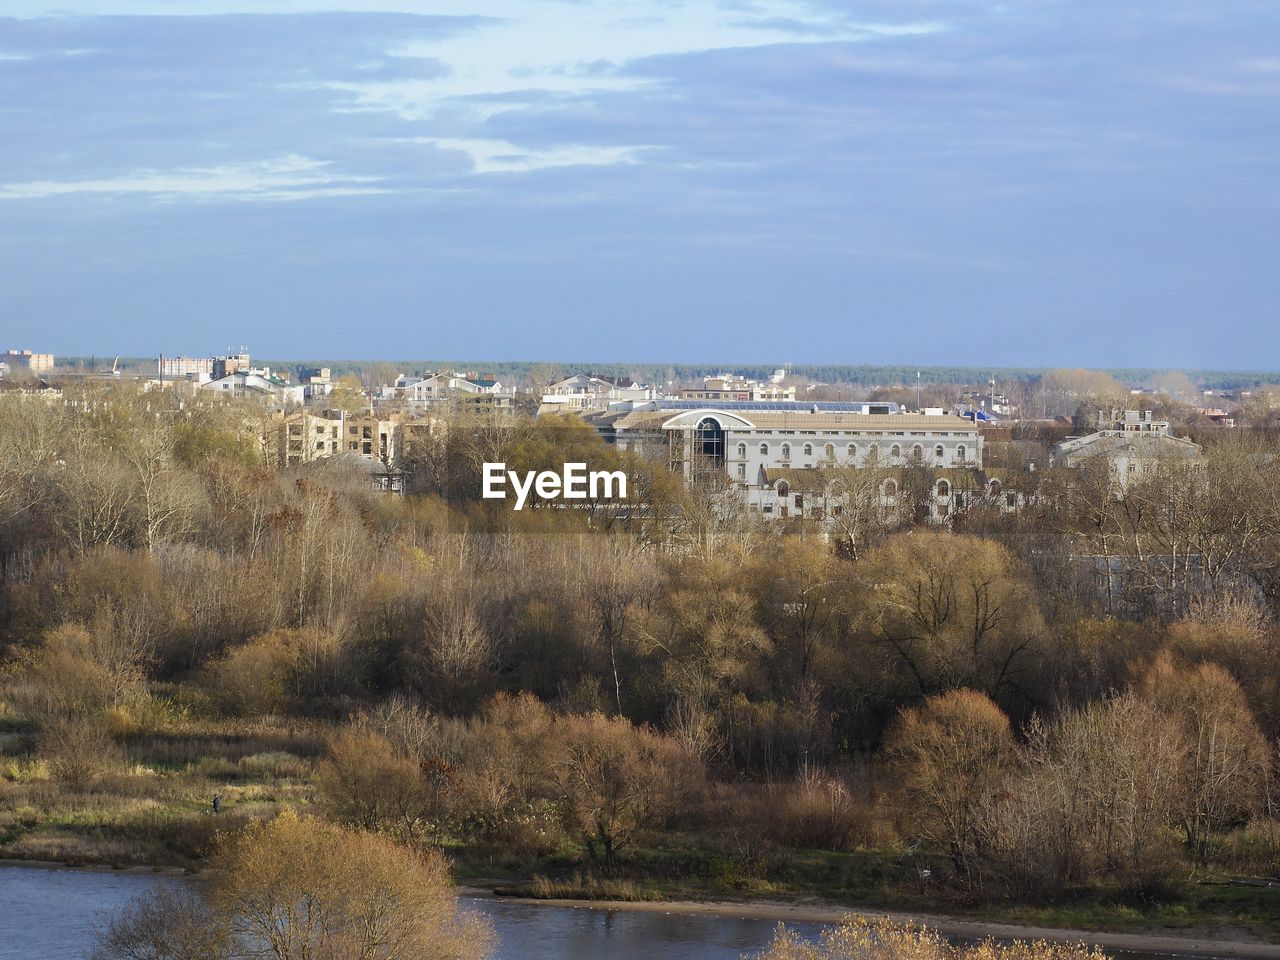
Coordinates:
(185, 368)
(1131, 446)
(728, 387)
(26, 360)
(257, 384)
(587, 392)
(763, 452)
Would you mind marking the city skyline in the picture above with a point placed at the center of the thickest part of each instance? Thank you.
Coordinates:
(942, 184)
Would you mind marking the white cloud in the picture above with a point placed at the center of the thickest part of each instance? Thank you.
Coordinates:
(284, 178)
(568, 49)
(500, 156)
(1265, 65)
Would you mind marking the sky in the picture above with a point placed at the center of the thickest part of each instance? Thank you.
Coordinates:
(1039, 182)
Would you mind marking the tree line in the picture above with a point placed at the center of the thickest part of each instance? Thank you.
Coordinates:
(1084, 692)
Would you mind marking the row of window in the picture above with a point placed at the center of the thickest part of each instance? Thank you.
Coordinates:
(829, 451)
(890, 489)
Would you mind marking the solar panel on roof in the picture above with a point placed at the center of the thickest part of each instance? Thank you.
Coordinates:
(804, 406)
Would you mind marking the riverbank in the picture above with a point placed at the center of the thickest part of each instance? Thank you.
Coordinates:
(1203, 944)
(1228, 943)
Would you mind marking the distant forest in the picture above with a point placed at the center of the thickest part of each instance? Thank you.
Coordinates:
(864, 375)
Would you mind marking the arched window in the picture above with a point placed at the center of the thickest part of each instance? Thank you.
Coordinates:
(960, 454)
(830, 451)
(852, 450)
(917, 451)
(786, 451)
(742, 451)
(890, 488)
(939, 452)
(764, 449)
(784, 488)
(895, 451)
(808, 449)
(709, 439)
(993, 488)
(944, 488)
(873, 451)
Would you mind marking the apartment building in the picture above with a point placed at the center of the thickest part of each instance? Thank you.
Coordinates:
(185, 368)
(303, 436)
(26, 360)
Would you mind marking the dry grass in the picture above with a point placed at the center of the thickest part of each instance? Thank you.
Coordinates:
(154, 807)
(585, 887)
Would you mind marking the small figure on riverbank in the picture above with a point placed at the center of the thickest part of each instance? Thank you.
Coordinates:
(217, 803)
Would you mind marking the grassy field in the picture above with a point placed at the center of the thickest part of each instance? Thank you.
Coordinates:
(157, 809)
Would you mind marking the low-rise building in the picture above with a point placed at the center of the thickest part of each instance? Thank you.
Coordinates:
(469, 391)
(728, 386)
(1131, 445)
(585, 392)
(824, 495)
(260, 384)
(317, 383)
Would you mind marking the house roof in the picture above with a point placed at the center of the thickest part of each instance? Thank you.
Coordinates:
(1144, 444)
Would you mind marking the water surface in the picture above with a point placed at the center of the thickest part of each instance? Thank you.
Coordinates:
(51, 914)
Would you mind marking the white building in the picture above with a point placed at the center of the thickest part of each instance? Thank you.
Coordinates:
(460, 388)
(587, 392)
(728, 386)
(751, 446)
(256, 383)
(1132, 445)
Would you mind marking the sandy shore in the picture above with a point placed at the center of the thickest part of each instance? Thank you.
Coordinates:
(1192, 944)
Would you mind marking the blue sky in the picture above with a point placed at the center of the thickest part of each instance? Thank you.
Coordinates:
(1084, 182)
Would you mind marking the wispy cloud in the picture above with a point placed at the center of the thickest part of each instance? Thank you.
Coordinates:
(502, 156)
(284, 178)
(569, 50)
(536, 165)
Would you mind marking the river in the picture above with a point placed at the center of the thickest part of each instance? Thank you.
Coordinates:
(51, 914)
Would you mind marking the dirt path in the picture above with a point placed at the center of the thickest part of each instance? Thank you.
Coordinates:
(1192, 944)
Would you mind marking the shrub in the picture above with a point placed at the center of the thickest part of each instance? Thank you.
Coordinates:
(78, 751)
(363, 783)
(858, 938)
(297, 887)
(819, 812)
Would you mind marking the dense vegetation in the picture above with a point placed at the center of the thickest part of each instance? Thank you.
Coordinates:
(1072, 708)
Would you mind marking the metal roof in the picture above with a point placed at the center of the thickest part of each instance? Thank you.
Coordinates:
(792, 406)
